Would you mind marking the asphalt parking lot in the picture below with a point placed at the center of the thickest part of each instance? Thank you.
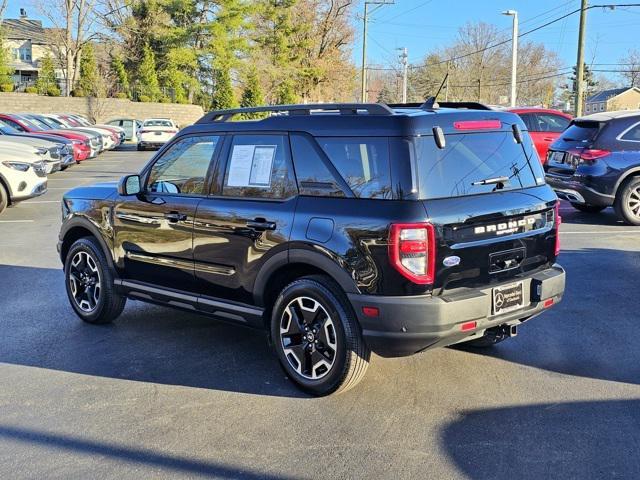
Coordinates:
(165, 394)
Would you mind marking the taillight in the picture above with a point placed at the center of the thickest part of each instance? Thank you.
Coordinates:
(478, 125)
(556, 226)
(412, 251)
(589, 154)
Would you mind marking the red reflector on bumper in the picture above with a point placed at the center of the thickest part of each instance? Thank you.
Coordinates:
(548, 302)
(371, 311)
(465, 327)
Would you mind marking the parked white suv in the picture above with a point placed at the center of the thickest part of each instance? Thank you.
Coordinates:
(155, 132)
(20, 179)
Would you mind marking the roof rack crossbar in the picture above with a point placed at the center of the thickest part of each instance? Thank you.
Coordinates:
(342, 108)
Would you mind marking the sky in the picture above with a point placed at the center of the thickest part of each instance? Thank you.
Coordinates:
(421, 26)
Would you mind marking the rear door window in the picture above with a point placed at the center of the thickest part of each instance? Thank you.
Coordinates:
(548, 122)
(363, 162)
(469, 158)
(632, 134)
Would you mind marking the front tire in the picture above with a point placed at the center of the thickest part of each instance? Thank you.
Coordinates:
(4, 198)
(89, 283)
(627, 204)
(582, 207)
(317, 337)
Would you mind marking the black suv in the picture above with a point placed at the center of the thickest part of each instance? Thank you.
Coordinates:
(340, 229)
(595, 164)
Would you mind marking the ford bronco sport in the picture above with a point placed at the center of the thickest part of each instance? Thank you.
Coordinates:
(339, 229)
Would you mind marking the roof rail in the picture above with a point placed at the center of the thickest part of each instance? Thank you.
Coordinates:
(303, 109)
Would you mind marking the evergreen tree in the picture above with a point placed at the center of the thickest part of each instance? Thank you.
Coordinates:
(89, 77)
(147, 77)
(385, 95)
(117, 65)
(5, 70)
(46, 82)
(223, 91)
(252, 95)
(285, 93)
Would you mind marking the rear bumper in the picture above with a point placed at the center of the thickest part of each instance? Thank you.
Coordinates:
(407, 325)
(567, 188)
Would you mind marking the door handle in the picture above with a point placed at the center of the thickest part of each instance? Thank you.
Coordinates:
(261, 224)
(547, 139)
(174, 217)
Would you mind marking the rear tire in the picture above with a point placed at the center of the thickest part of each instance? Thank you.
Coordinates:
(587, 208)
(317, 337)
(4, 198)
(627, 204)
(89, 283)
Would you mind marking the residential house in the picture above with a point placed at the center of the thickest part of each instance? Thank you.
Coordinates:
(27, 42)
(612, 100)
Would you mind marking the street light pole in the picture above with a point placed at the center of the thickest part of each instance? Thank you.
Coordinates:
(363, 70)
(404, 60)
(514, 54)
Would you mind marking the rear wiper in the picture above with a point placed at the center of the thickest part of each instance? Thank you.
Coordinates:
(491, 181)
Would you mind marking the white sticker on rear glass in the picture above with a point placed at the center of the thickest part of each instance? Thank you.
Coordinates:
(251, 165)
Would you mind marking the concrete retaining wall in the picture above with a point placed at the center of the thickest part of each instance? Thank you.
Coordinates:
(100, 109)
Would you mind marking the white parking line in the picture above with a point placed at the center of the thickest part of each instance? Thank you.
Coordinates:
(41, 201)
(16, 221)
(606, 232)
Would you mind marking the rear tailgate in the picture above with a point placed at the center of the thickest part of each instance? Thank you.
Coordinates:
(564, 154)
(494, 215)
(508, 234)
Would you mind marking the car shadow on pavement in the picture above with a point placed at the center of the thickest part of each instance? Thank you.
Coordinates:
(146, 343)
(593, 331)
(136, 456)
(605, 218)
(577, 440)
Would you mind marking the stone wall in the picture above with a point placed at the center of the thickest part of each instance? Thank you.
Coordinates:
(100, 109)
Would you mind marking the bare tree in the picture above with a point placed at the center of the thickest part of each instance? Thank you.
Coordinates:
(74, 24)
(3, 8)
(631, 68)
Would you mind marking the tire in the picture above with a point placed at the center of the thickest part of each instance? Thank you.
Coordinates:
(331, 355)
(4, 198)
(587, 208)
(85, 269)
(627, 204)
(140, 148)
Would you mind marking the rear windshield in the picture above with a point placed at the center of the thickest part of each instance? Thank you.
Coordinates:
(469, 158)
(580, 132)
(157, 123)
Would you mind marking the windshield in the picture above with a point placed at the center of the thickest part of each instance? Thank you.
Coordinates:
(468, 159)
(157, 123)
(33, 124)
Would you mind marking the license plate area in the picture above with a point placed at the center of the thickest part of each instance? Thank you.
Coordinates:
(507, 298)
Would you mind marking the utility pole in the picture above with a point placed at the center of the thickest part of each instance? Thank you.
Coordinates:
(363, 70)
(404, 61)
(514, 54)
(580, 60)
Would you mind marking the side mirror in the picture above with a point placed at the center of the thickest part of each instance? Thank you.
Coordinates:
(129, 185)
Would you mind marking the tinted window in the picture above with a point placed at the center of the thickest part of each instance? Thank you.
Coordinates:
(10, 127)
(547, 122)
(473, 157)
(581, 131)
(183, 168)
(257, 167)
(362, 162)
(528, 120)
(157, 123)
(314, 178)
(632, 135)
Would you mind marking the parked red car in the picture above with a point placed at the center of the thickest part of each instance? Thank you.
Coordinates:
(81, 148)
(544, 125)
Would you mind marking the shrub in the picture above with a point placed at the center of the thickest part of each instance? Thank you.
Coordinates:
(164, 99)
(31, 90)
(6, 87)
(121, 95)
(144, 98)
(77, 92)
(53, 91)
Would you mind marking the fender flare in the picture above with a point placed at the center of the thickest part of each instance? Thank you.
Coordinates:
(87, 224)
(628, 173)
(305, 257)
